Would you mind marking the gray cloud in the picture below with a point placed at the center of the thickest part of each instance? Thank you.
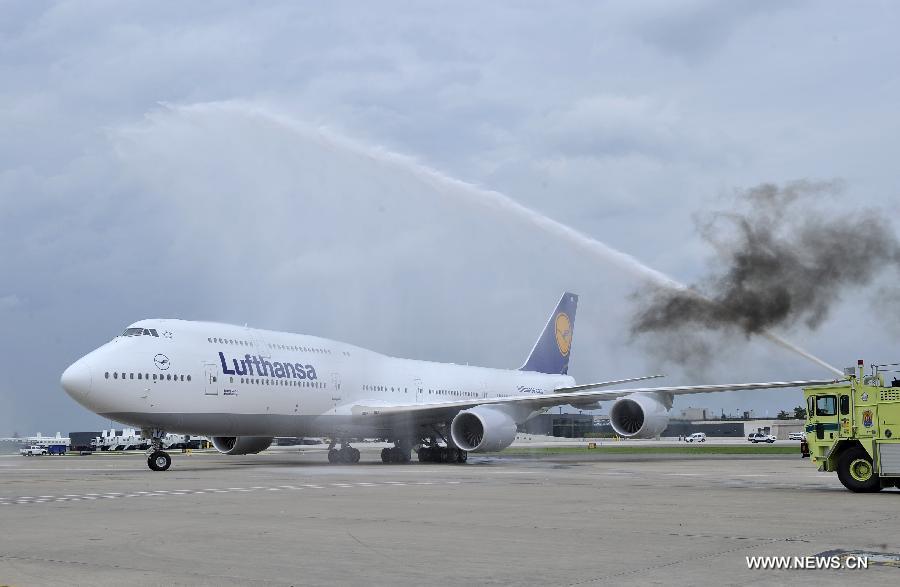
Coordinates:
(116, 208)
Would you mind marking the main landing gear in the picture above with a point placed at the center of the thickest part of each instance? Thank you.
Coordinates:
(442, 454)
(395, 454)
(158, 459)
(346, 454)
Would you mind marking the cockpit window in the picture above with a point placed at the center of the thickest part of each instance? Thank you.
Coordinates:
(140, 332)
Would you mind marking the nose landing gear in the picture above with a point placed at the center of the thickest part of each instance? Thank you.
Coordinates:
(158, 459)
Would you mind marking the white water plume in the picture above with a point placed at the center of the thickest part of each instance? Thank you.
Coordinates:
(449, 187)
(502, 203)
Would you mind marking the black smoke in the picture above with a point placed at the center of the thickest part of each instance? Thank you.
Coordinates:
(783, 256)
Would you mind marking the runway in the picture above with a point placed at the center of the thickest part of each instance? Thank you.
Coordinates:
(285, 518)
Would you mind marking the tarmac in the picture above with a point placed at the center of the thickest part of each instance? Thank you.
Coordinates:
(286, 517)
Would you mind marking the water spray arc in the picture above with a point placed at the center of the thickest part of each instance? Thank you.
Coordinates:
(485, 198)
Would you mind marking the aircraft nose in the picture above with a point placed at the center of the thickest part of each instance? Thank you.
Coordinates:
(76, 380)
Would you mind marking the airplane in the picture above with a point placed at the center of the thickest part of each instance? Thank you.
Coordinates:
(241, 387)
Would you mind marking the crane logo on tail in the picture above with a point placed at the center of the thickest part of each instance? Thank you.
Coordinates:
(563, 333)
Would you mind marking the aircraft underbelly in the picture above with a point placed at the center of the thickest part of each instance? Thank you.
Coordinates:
(230, 424)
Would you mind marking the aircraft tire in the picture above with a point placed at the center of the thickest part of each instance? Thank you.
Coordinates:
(333, 455)
(385, 455)
(354, 455)
(462, 457)
(159, 461)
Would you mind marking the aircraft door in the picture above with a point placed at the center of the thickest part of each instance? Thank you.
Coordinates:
(417, 385)
(336, 399)
(211, 385)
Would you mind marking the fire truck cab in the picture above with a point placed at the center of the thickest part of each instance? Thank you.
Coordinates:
(853, 429)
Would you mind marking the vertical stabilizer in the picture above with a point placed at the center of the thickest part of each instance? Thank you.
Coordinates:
(551, 351)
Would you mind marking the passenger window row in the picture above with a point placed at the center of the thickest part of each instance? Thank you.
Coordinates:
(229, 341)
(280, 382)
(146, 376)
(384, 388)
(453, 392)
(288, 347)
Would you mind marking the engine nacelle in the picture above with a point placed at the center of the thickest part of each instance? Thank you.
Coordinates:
(483, 428)
(241, 445)
(638, 416)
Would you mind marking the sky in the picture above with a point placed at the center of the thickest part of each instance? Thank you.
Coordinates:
(334, 169)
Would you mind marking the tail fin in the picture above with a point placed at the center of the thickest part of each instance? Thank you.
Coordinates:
(551, 351)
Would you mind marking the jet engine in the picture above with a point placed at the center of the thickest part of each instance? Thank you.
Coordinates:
(639, 416)
(241, 445)
(483, 428)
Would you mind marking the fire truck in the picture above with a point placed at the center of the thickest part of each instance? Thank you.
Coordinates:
(853, 428)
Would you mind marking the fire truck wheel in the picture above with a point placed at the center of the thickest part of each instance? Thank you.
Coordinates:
(856, 471)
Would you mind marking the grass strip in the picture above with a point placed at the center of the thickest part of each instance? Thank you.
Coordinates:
(727, 449)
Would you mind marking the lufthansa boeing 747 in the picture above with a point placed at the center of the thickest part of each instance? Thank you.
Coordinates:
(243, 386)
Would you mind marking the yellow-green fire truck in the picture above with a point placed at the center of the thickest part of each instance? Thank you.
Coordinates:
(853, 428)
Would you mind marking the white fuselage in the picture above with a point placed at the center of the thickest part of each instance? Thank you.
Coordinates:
(223, 380)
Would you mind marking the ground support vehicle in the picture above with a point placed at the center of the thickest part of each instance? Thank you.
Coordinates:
(853, 429)
(33, 451)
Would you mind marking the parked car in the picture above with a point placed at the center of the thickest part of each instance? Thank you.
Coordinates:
(760, 437)
(696, 437)
(796, 436)
(33, 451)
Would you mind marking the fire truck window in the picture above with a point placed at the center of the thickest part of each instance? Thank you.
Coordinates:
(845, 405)
(810, 405)
(826, 405)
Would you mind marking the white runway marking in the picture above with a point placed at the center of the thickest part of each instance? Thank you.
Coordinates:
(68, 498)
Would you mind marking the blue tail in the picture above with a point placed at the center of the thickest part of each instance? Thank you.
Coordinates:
(551, 351)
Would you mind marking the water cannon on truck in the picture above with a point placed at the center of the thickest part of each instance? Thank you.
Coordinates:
(853, 428)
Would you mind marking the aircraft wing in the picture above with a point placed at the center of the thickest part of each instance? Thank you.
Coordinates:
(588, 386)
(442, 410)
